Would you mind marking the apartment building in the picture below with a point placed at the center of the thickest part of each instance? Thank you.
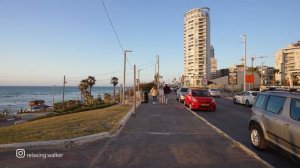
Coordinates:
(197, 47)
(287, 61)
(213, 64)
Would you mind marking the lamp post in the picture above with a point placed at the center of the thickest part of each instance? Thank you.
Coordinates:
(124, 75)
(245, 57)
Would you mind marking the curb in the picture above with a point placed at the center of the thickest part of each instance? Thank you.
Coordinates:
(77, 140)
(238, 144)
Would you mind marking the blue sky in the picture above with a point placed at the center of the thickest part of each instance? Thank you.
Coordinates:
(42, 40)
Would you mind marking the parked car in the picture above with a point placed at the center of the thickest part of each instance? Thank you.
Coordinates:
(199, 99)
(215, 92)
(181, 93)
(276, 120)
(247, 98)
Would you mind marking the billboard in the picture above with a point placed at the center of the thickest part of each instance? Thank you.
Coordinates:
(232, 78)
(249, 78)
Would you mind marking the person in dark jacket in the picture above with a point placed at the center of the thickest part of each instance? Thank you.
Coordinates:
(167, 91)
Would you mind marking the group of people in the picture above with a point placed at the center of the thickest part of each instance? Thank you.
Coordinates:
(161, 93)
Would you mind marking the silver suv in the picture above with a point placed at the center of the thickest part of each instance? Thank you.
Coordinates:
(276, 119)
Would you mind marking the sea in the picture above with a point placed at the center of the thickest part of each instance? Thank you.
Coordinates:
(16, 98)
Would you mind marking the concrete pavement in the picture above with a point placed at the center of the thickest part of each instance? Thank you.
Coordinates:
(159, 136)
(170, 136)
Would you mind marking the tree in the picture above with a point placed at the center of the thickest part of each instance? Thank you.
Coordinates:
(114, 81)
(275, 71)
(84, 85)
(91, 82)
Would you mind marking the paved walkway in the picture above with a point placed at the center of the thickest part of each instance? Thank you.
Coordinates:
(171, 136)
(159, 136)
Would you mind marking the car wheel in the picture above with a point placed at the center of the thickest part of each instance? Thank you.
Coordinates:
(257, 137)
(214, 109)
(234, 101)
(247, 103)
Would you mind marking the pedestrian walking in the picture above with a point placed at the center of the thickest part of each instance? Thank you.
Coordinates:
(154, 92)
(167, 91)
(161, 95)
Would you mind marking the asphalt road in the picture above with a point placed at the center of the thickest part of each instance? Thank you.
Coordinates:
(233, 120)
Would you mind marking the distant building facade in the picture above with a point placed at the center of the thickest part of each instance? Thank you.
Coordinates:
(213, 64)
(197, 47)
(287, 61)
(267, 75)
(213, 68)
(222, 72)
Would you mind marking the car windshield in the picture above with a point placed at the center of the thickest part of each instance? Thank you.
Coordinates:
(184, 89)
(200, 93)
(254, 93)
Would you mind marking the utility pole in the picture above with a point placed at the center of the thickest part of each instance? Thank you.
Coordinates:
(53, 97)
(252, 60)
(245, 59)
(139, 79)
(261, 74)
(121, 93)
(64, 84)
(157, 59)
(124, 75)
(134, 90)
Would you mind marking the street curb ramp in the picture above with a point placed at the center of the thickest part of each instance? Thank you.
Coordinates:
(77, 140)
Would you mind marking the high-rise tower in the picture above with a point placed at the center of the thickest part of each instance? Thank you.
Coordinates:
(197, 46)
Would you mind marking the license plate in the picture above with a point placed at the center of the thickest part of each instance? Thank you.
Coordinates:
(205, 105)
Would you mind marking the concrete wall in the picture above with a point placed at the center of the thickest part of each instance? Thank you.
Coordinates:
(222, 82)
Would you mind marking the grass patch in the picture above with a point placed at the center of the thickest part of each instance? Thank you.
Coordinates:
(65, 126)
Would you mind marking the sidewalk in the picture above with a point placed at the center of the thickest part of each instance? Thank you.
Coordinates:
(171, 136)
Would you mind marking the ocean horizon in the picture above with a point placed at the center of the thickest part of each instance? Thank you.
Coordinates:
(16, 98)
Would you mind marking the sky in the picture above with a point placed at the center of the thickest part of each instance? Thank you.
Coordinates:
(43, 40)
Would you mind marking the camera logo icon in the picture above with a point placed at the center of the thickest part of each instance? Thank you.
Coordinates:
(20, 153)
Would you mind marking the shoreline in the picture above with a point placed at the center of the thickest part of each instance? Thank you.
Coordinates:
(16, 98)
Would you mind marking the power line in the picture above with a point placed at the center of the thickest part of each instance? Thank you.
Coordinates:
(146, 63)
(129, 63)
(149, 66)
(112, 26)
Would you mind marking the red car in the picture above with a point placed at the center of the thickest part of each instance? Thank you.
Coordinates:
(199, 99)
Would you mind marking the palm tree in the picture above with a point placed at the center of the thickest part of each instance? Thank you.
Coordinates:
(91, 82)
(114, 82)
(84, 85)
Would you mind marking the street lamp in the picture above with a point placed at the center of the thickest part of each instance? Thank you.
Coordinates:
(124, 75)
(245, 57)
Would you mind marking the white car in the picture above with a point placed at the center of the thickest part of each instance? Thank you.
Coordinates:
(247, 98)
(215, 92)
(181, 93)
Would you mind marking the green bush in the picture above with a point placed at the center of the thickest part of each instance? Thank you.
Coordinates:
(146, 86)
(67, 106)
(76, 110)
